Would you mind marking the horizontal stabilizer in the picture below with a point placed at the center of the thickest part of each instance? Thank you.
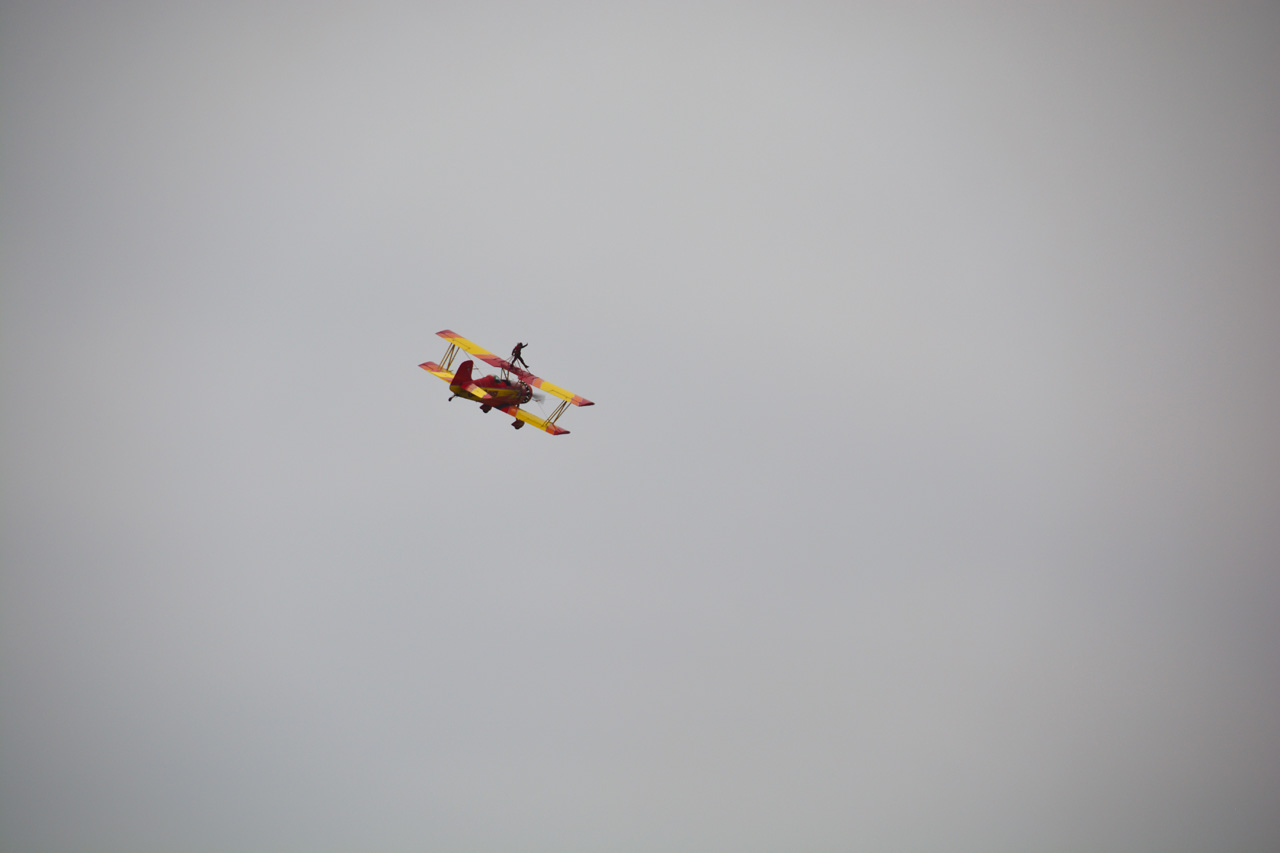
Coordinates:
(476, 391)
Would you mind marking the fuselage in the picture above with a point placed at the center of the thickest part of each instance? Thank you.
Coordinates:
(505, 392)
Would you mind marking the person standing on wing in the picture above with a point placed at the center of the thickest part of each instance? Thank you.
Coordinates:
(516, 356)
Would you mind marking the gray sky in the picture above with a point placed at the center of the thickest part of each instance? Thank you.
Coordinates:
(930, 499)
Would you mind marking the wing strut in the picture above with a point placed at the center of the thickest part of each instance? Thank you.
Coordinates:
(450, 354)
(559, 410)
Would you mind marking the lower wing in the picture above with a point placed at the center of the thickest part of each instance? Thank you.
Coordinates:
(521, 415)
(435, 369)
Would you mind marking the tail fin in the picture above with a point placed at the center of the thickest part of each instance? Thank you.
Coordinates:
(463, 377)
(463, 384)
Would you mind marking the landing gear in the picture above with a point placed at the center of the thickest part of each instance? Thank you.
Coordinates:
(517, 424)
(485, 409)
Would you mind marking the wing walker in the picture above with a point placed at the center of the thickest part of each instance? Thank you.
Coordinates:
(507, 391)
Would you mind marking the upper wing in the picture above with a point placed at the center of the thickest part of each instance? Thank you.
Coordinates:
(475, 349)
(489, 358)
(553, 389)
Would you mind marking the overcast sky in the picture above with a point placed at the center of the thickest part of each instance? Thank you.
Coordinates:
(931, 498)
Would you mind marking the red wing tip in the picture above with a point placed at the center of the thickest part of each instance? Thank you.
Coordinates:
(429, 365)
(584, 402)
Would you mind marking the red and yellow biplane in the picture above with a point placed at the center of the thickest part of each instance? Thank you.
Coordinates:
(505, 392)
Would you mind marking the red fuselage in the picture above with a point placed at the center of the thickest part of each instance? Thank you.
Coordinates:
(505, 392)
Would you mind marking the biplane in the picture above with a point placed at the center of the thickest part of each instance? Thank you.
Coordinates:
(506, 391)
